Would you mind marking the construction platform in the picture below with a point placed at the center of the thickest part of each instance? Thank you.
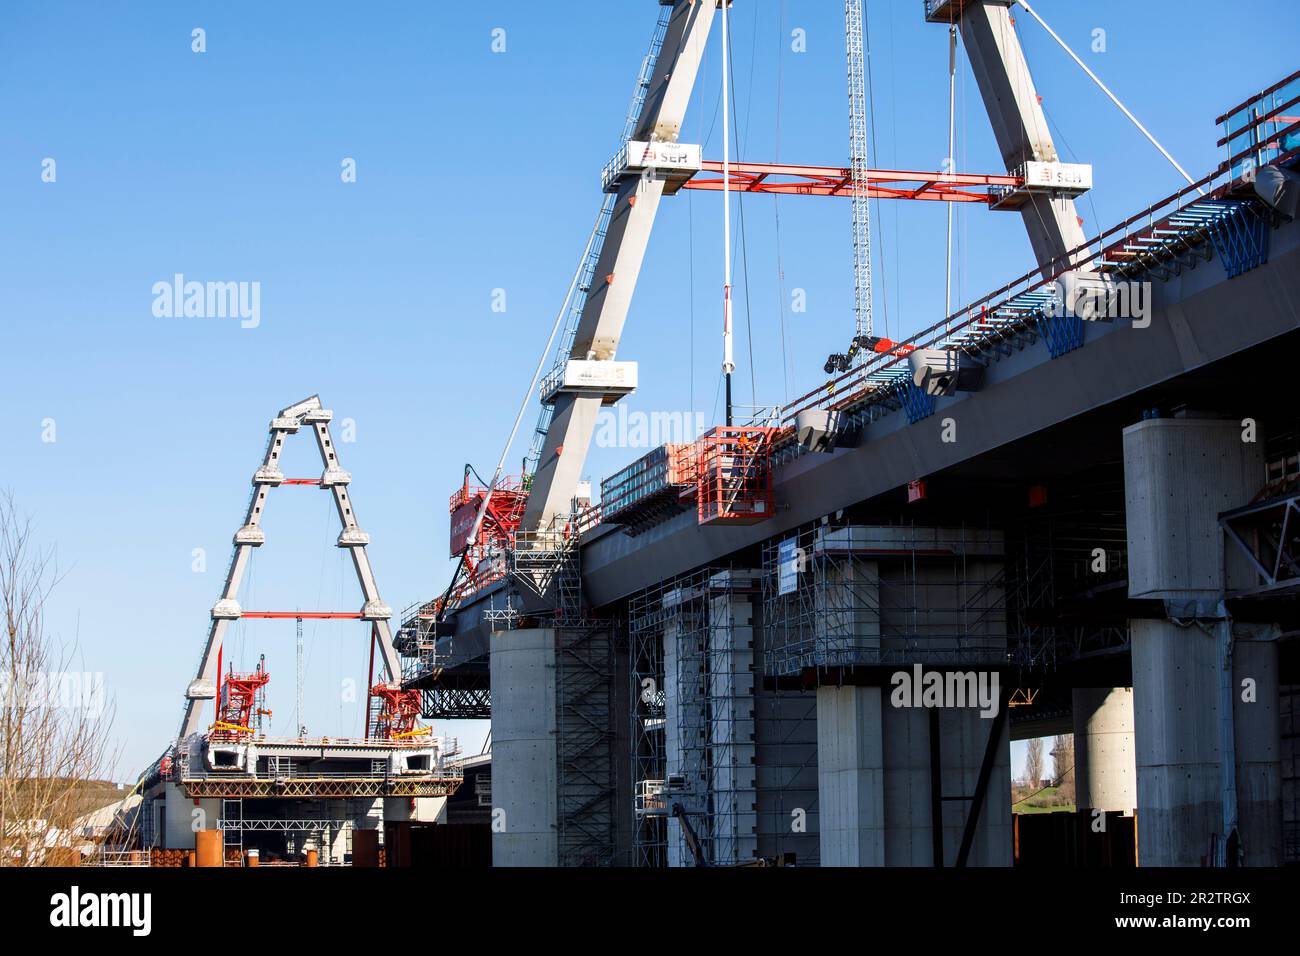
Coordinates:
(324, 767)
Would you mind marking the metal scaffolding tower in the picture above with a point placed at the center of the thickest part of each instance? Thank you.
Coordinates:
(585, 805)
(701, 714)
(231, 826)
(646, 734)
(857, 595)
(545, 574)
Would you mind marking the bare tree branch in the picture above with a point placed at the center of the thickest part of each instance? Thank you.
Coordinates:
(54, 719)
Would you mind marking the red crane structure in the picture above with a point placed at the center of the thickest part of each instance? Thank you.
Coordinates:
(240, 700)
(399, 712)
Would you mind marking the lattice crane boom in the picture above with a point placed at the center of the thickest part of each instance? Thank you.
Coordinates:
(858, 167)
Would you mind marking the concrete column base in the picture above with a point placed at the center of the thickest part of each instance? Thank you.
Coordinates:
(524, 778)
(182, 818)
(850, 776)
(874, 782)
(1175, 722)
(1180, 474)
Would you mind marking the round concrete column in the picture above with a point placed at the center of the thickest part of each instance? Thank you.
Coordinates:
(525, 778)
(1105, 768)
(1180, 474)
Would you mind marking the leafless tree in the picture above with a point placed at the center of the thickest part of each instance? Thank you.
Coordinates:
(1063, 766)
(1034, 762)
(54, 721)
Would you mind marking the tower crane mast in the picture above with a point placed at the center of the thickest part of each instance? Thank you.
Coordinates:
(858, 167)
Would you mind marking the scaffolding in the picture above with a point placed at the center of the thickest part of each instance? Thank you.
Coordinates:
(651, 490)
(671, 733)
(231, 825)
(648, 759)
(547, 564)
(700, 720)
(727, 661)
(856, 595)
(734, 468)
(287, 829)
(584, 743)
(785, 721)
(1052, 573)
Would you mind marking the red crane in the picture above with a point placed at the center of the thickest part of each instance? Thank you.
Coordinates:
(238, 702)
(399, 712)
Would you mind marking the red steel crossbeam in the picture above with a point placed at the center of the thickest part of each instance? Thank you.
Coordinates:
(305, 615)
(301, 481)
(785, 179)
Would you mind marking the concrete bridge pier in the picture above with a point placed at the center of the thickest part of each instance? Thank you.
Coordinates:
(525, 829)
(850, 776)
(877, 793)
(1177, 737)
(1105, 771)
(897, 780)
(1179, 475)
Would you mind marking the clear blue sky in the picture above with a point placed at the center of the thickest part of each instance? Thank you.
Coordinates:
(476, 171)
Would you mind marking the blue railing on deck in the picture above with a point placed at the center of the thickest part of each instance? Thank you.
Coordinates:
(1257, 132)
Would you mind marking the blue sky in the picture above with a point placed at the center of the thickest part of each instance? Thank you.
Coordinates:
(476, 171)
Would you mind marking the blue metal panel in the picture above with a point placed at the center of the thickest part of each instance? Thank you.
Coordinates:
(1062, 333)
(916, 402)
(1240, 237)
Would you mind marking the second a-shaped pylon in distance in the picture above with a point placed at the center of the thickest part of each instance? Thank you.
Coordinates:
(398, 708)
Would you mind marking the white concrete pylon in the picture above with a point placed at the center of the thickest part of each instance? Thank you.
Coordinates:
(599, 331)
(1019, 124)
(307, 413)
